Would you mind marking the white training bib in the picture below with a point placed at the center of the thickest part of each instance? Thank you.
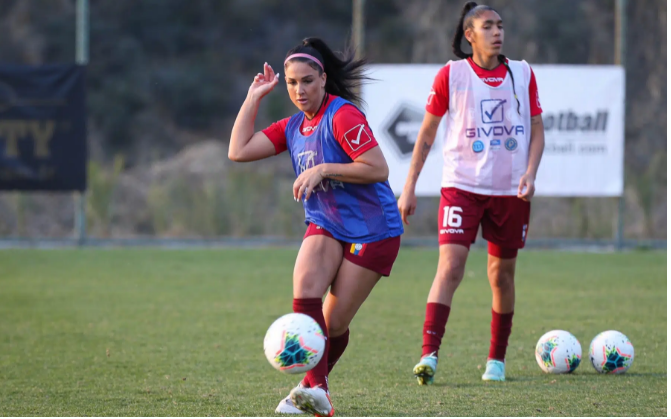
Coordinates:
(486, 148)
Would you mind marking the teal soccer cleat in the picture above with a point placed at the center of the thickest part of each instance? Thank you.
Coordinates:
(426, 369)
(495, 371)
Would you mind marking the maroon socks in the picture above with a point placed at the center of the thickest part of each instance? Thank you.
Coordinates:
(434, 327)
(502, 325)
(318, 376)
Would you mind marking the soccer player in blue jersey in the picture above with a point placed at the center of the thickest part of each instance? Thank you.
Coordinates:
(354, 226)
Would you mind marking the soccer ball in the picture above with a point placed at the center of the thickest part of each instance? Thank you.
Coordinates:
(611, 352)
(294, 343)
(558, 352)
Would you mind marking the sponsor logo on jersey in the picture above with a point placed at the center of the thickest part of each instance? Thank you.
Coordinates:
(478, 146)
(306, 160)
(498, 131)
(357, 137)
(358, 249)
(495, 144)
(308, 129)
(491, 110)
(511, 144)
(492, 79)
(452, 231)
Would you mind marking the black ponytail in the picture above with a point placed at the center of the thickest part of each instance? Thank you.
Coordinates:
(502, 60)
(461, 27)
(344, 73)
(470, 12)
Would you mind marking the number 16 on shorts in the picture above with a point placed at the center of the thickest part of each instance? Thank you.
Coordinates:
(452, 220)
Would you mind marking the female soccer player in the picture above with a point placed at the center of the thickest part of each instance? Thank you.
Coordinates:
(492, 150)
(354, 227)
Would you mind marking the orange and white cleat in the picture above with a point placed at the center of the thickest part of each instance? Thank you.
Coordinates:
(312, 400)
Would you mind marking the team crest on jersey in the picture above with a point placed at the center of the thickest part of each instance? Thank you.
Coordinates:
(357, 137)
(511, 144)
(358, 249)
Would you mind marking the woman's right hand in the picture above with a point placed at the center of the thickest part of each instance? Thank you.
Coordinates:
(407, 204)
(264, 83)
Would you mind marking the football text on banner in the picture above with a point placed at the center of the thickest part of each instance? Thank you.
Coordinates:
(42, 128)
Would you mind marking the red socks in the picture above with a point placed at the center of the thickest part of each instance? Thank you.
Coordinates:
(318, 376)
(434, 327)
(502, 325)
(337, 348)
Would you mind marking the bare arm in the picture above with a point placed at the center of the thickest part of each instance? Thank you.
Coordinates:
(407, 203)
(537, 144)
(370, 167)
(527, 187)
(246, 145)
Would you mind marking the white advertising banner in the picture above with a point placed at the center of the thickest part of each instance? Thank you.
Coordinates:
(583, 113)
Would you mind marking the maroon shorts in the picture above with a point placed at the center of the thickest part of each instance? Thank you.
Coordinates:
(504, 219)
(377, 256)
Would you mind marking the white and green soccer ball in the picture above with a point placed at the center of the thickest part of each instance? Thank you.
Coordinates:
(611, 352)
(558, 352)
(294, 343)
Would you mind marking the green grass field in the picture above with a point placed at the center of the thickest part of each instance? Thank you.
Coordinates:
(142, 332)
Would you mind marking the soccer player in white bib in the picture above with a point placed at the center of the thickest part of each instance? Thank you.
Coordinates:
(492, 149)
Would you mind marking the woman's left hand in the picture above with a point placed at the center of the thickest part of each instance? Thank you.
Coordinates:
(306, 182)
(527, 187)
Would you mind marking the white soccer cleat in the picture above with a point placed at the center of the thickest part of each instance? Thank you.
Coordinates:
(312, 400)
(287, 407)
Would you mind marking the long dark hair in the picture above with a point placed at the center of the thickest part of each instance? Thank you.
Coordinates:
(470, 12)
(344, 73)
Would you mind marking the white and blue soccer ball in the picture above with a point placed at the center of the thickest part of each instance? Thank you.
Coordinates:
(558, 352)
(294, 343)
(611, 352)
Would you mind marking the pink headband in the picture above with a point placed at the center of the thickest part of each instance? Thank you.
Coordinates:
(308, 56)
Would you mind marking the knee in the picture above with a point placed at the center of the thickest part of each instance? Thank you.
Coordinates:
(336, 327)
(306, 288)
(501, 279)
(450, 273)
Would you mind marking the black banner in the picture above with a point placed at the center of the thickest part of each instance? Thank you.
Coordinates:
(42, 128)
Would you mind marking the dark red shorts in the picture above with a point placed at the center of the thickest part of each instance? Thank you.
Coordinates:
(504, 219)
(377, 256)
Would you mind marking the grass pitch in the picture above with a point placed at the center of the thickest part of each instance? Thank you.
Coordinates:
(140, 332)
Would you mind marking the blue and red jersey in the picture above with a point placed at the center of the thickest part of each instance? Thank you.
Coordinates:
(339, 133)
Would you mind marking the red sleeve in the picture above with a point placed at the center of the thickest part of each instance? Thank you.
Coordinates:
(534, 98)
(439, 98)
(276, 133)
(351, 130)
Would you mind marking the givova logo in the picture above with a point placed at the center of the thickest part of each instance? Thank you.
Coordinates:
(452, 220)
(492, 110)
